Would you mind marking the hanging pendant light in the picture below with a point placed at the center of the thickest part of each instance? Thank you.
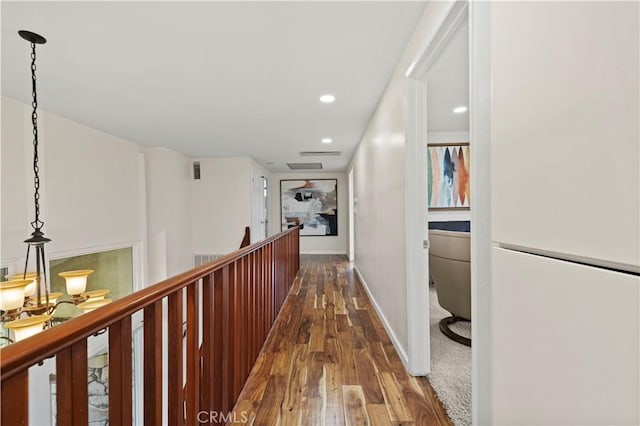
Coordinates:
(37, 239)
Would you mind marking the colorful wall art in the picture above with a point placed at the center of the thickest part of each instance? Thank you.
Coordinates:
(310, 203)
(448, 176)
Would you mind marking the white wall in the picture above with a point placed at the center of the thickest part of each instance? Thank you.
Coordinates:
(308, 244)
(380, 182)
(90, 185)
(565, 157)
(453, 215)
(221, 204)
(168, 177)
(13, 196)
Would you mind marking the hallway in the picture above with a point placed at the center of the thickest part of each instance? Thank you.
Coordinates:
(329, 361)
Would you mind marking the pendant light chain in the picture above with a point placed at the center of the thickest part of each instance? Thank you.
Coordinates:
(37, 223)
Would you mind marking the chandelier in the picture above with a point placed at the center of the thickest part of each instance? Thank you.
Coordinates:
(28, 292)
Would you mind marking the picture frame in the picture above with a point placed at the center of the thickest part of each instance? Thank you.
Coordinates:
(449, 176)
(310, 203)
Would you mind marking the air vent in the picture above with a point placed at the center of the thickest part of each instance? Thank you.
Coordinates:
(196, 170)
(305, 166)
(320, 153)
(201, 259)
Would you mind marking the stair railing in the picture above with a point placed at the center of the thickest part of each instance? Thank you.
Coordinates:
(237, 296)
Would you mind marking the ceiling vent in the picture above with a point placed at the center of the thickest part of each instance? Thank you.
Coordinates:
(320, 153)
(196, 170)
(305, 166)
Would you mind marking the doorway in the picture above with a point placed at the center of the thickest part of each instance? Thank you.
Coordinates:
(259, 211)
(351, 218)
(438, 117)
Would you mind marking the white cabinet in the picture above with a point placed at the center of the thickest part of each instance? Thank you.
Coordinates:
(565, 123)
(566, 342)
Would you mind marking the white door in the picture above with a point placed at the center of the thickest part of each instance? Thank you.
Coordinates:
(351, 219)
(259, 192)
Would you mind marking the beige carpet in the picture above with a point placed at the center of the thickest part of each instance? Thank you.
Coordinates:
(450, 373)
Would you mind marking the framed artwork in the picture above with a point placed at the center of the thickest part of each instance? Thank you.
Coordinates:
(448, 176)
(310, 203)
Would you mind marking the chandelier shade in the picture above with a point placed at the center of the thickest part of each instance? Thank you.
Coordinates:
(12, 294)
(76, 281)
(93, 305)
(30, 289)
(94, 295)
(27, 327)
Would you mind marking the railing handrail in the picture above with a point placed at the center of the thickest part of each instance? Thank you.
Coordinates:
(22, 355)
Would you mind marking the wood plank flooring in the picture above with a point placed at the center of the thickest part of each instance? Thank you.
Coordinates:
(329, 361)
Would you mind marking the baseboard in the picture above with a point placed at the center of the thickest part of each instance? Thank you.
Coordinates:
(394, 339)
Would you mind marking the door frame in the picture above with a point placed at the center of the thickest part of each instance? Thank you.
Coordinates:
(259, 210)
(416, 211)
(352, 242)
(481, 241)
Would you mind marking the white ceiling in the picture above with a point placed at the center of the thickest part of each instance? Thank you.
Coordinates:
(448, 85)
(212, 78)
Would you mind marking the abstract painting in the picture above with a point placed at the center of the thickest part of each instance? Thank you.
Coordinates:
(310, 203)
(448, 173)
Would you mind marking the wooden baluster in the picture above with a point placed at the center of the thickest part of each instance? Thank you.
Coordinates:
(266, 284)
(237, 333)
(269, 288)
(298, 250)
(228, 290)
(153, 364)
(175, 355)
(287, 265)
(120, 372)
(193, 355)
(14, 404)
(259, 296)
(248, 347)
(294, 256)
(71, 385)
(244, 318)
(282, 268)
(255, 306)
(218, 339)
(278, 275)
(246, 325)
(274, 285)
(208, 344)
(273, 281)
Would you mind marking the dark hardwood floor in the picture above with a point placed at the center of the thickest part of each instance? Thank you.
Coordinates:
(329, 361)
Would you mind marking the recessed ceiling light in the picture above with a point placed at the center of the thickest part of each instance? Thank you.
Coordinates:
(327, 140)
(327, 99)
(460, 109)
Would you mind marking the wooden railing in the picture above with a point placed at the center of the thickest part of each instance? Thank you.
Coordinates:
(246, 238)
(237, 296)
